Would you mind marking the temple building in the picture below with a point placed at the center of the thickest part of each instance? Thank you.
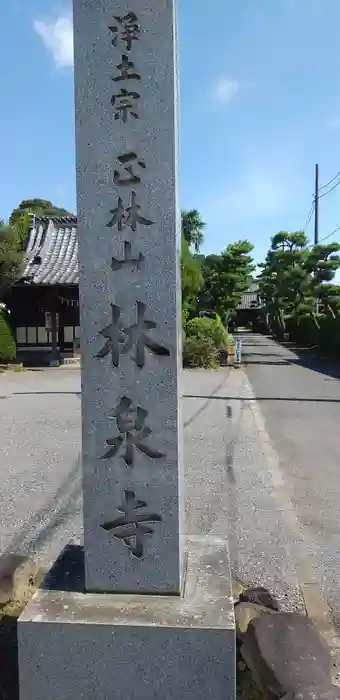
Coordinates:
(44, 303)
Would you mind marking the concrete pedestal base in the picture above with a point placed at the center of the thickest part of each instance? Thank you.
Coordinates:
(85, 646)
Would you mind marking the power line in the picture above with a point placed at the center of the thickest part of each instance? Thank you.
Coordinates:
(316, 204)
(310, 214)
(311, 245)
(331, 189)
(314, 208)
(330, 234)
(329, 183)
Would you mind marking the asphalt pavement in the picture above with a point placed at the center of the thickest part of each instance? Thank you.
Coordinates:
(299, 397)
(40, 469)
(229, 469)
(226, 473)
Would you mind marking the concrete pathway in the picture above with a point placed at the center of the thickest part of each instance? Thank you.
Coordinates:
(300, 401)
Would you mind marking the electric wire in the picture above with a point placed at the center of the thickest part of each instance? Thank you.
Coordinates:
(331, 190)
(329, 183)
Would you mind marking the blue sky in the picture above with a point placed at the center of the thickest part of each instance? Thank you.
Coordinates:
(260, 105)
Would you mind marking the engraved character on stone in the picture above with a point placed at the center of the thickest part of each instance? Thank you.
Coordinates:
(126, 161)
(126, 69)
(125, 104)
(119, 339)
(117, 264)
(133, 433)
(137, 336)
(127, 28)
(132, 526)
(113, 335)
(130, 216)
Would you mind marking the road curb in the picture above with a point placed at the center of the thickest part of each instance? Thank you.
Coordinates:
(315, 604)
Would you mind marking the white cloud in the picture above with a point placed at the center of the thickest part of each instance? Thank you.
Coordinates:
(225, 90)
(261, 192)
(58, 38)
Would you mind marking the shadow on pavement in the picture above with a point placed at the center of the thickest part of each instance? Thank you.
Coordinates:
(47, 393)
(281, 362)
(306, 358)
(261, 398)
(201, 409)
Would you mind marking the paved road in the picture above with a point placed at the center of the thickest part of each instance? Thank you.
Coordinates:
(40, 484)
(300, 401)
(227, 478)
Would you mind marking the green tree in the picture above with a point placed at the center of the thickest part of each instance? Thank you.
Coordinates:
(7, 343)
(322, 263)
(294, 281)
(192, 279)
(193, 228)
(21, 216)
(37, 207)
(226, 278)
(284, 281)
(11, 258)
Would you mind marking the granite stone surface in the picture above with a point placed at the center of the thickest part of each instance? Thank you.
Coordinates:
(76, 645)
(129, 240)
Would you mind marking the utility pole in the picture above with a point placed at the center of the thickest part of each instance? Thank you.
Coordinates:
(316, 217)
(316, 202)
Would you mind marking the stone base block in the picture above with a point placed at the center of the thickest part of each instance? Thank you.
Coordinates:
(85, 646)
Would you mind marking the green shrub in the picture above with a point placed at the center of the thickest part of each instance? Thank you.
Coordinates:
(200, 352)
(7, 344)
(204, 340)
(205, 327)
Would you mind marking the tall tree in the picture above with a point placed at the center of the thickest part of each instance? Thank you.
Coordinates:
(193, 228)
(284, 281)
(294, 277)
(322, 263)
(21, 216)
(11, 258)
(37, 207)
(192, 279)
(226, 278)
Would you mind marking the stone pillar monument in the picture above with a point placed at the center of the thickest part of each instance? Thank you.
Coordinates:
(139, 613)
(129, 241)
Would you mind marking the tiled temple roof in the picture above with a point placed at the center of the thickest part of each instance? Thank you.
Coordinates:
(52, 252)
(250, 298)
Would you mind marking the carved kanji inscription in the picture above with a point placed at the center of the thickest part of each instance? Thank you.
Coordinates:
(126, 160)
(138, 337)
(128, 217)
(125, 104)
(127, 70)
(120, 340)
(117, 264)
(133, 434)
(127, 30)
(132, 526)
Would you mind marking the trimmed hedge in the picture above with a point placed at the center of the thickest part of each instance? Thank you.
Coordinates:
(8, 349)
(326, 338)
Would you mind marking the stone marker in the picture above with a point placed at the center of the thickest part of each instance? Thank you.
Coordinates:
(129, 239)
(111, 634)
